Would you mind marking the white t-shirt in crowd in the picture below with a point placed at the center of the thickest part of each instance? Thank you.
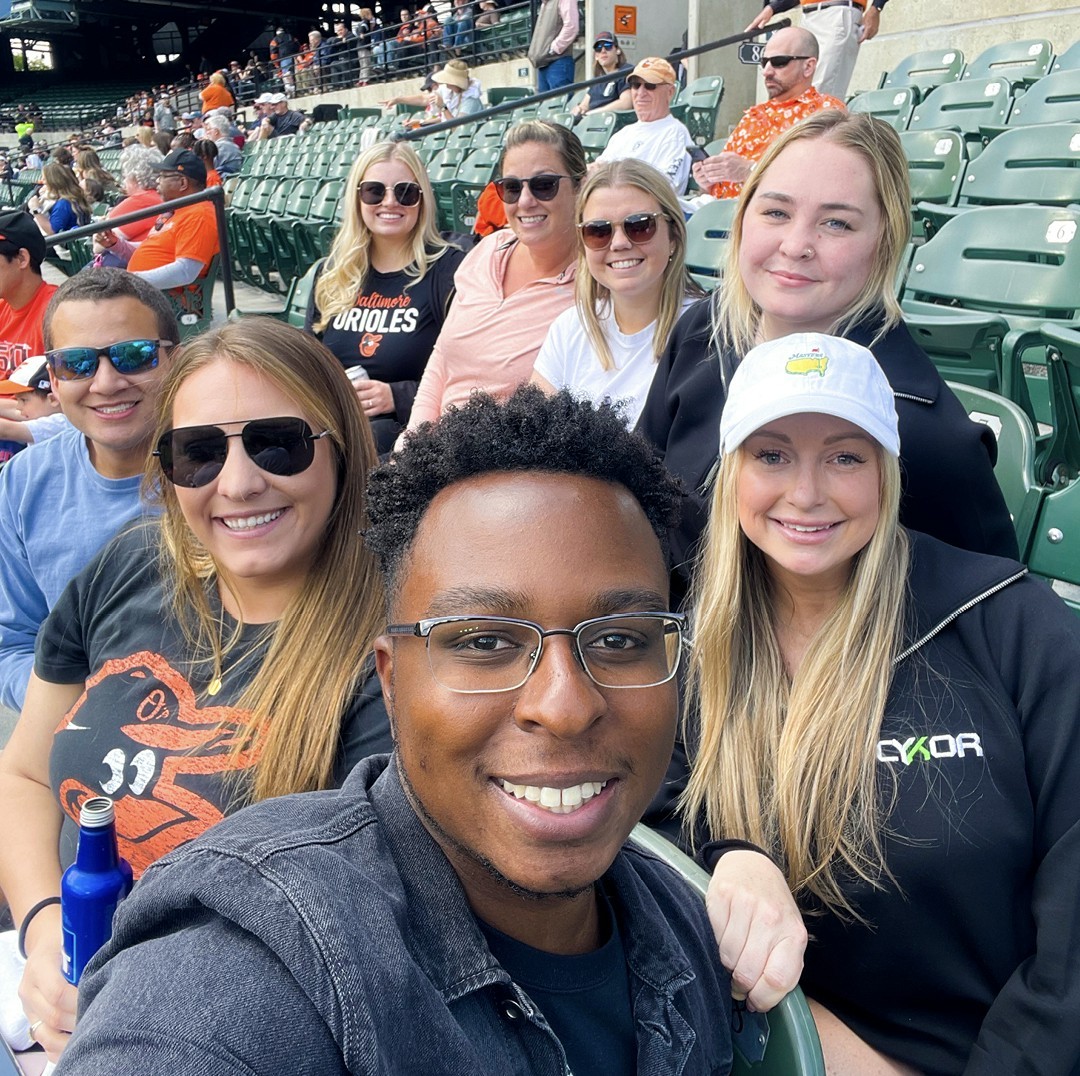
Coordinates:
(567, 361)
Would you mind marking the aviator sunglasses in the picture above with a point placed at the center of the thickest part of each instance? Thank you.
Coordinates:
(779, 61)
(544, 187)
(193, 456)
(639, 228)
(372, 192)
(127, 357)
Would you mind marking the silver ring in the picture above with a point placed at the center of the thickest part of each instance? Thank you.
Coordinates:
(33, 1029)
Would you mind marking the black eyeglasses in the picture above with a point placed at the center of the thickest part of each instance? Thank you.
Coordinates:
(640, 84)
(779, 61)
(193, 456)
(372, 192)
(603, 46)
(127, 357)
(638, 228)
(544, 187)
(482, 655)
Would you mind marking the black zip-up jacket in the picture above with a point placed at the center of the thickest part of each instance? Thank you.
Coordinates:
(946, 459)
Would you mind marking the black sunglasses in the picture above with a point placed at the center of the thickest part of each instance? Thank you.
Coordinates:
(372, 192)
(193, 456)
(544, 187)
(603, 46)
(127, 357)
(779, 61)
(636, 83)
(638, 228)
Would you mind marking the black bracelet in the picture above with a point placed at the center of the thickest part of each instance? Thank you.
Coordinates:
(28, 919)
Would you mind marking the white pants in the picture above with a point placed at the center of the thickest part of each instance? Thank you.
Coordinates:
(837, 32)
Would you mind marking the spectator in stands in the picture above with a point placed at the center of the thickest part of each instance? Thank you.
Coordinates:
(459, 29)
(216, 94)
(839, 29)
(551, 47)
(788, 64)
(250, 607)
(412, 903)
(138, 180)
(894, 721)
(162, 142)
(229, 158)
(404, 50)
(816, 249)
(456, 93)
(164, 116)
(184, 140)
(31, 411)
(144, 136)
(35, 158)
(88, 166)
(184, 241)
(206, 150)
(489, 14)
(512, 284)
(23, 293)
(310, 64)
(344, 61)
(613, 96)
(283, 49)
(657, 138)
(84, 484)
(632, 285)
(70, 207)
(380, 299)
(280, 120)
(367, 26)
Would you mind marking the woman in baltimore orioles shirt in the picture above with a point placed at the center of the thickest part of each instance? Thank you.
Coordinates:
(380, 299)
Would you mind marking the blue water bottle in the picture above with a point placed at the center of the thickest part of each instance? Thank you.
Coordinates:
(92, 887)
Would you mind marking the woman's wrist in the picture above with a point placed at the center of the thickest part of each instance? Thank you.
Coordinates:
(35, 918)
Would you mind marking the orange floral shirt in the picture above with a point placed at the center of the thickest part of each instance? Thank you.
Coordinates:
(762, 124)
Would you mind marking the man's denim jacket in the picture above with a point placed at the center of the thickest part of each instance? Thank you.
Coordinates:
(327, 933)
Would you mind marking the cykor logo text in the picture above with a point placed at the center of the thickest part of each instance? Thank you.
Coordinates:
(923, 748)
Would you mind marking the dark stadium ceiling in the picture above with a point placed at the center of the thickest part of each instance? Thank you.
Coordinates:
(57, 17)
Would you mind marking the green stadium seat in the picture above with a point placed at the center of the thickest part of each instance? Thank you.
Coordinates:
(893, 105)
(924, 71)
(1055, 545)
(1015, 467)
(708, 233)
(965, 107)
(553, 106)
(594, 131)
(284, 257)
(490, 133)
(192, 303)
(792, 1047)
(1022, 165)
(936, 161)
(699, 107)
(498, 95)
(473, 175)
(313, 235)
(1069, 60)
(1054, 99)
(1060, 459)
(1021, 62)
(1017, 265)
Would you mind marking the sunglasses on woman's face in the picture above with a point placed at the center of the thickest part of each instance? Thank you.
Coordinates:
(639, 228)
(127, 357)
(603, 46)
(193, 456)
(372, 192)
(544, 187)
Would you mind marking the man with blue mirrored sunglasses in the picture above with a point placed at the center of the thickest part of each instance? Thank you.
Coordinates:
(107, 337)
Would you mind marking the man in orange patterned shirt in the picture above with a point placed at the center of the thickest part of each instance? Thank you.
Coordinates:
(789, 60)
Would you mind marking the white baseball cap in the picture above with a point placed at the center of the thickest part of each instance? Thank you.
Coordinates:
(809, 373)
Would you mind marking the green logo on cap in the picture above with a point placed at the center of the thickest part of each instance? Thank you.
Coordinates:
(812, 362)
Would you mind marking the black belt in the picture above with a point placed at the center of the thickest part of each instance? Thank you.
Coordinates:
(808, 8)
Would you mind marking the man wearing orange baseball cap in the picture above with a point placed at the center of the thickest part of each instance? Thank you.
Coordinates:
(657, 138)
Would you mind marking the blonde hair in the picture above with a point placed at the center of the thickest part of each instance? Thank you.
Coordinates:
(144, 136)
(315, 659)
(218, 79)
(736, 315)
(347, 266)
(593, 299)
(790, 764)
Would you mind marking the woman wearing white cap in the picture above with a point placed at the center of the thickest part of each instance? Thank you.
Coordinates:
(455, 94)
(816, 243)
(895, 721)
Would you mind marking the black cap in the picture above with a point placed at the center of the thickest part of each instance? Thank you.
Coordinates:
(18, 231)
(185, 162)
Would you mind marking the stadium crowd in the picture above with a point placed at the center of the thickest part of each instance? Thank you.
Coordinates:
(377, 631)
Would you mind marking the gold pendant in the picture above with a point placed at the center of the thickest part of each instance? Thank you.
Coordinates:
(215, 686)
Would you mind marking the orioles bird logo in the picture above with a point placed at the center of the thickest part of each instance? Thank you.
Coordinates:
(369, 344)
(152, 761)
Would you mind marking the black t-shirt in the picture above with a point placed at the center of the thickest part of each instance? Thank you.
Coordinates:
(392, 327)
(585, 998)
(149, 731)
(288, 123)
(606, 92)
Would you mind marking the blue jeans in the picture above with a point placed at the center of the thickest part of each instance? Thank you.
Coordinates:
(459, 33)
(558, 73)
